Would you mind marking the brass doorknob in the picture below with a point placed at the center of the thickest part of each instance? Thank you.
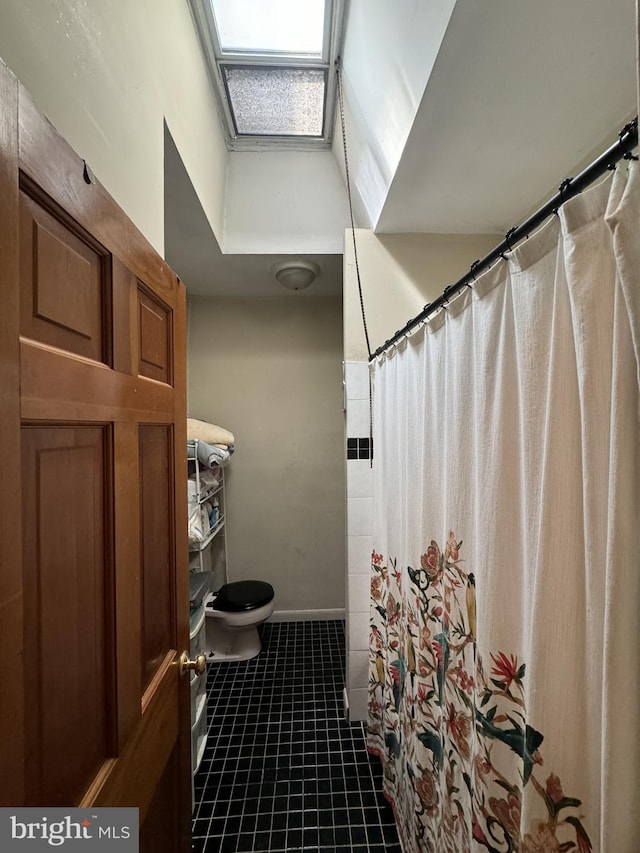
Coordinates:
(198, 665)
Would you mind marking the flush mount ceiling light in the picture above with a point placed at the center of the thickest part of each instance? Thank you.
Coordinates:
(295, 275)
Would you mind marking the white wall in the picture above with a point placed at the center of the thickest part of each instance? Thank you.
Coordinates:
(400, 273)
(285, 201)
(107, 74)
(389, 52)
(270, 371)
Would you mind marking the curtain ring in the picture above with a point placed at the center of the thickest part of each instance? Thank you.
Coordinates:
(564, 186)
(472, 271)
(426, 312)
(445, 295)
(508, 236)
(631, 127)
(628, 128)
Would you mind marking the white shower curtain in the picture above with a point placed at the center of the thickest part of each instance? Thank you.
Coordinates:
(505, 631)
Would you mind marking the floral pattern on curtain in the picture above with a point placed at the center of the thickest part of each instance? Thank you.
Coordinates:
(504, 677)
(469, 747)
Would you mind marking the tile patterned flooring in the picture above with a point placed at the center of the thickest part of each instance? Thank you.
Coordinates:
(282, 770)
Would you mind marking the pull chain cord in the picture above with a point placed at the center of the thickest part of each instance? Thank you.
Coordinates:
(355, 248)
(348, 180)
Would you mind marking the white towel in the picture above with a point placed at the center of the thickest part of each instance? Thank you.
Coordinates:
(211, 433)
(211, 455)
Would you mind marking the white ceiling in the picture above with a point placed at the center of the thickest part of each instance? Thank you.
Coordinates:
(520, 95)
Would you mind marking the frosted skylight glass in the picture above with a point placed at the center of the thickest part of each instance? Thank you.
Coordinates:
(269, 101)
(272, 26)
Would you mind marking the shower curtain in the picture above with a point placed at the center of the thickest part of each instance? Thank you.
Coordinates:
(505, 627)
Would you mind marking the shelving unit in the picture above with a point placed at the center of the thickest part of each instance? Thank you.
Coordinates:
(208, 571)
(210, 555)
(198, 686)
(197, 645)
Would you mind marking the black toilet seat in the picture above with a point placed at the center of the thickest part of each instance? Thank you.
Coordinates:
(241, 596)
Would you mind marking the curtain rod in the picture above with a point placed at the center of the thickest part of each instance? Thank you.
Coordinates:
(570, 187)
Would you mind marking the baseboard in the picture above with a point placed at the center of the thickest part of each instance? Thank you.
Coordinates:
(307, 615)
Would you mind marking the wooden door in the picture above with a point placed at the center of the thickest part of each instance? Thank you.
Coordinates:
(93, 550)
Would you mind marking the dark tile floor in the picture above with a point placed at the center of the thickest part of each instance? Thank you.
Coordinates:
(282, 770)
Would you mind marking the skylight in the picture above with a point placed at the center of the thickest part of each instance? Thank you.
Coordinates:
(272, 26)
(273, 65)
(276, 101)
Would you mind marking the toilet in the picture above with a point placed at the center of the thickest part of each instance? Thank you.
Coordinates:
(233, 614)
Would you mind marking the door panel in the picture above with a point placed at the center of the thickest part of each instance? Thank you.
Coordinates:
(68, 580)
(142, 761)
(64, 284)
(155, 337)
(156, 568)
(64, 179)
(127, 595)
(93, 551)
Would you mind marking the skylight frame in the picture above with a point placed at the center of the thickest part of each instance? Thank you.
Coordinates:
(216, 59)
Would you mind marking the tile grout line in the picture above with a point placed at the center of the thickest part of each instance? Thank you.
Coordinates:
(284, 752)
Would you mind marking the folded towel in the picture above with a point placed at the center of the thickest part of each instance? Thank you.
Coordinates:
(211, 433)
(198, 524)
(210, 455)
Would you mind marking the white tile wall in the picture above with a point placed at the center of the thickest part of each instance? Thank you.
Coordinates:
(358, 704)
(356, 377)
(359, 541)
(358, 669)
(359, 550)
(358, 632)
(357, 418)
(359, 515)
(359, 478)
(359, 592)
